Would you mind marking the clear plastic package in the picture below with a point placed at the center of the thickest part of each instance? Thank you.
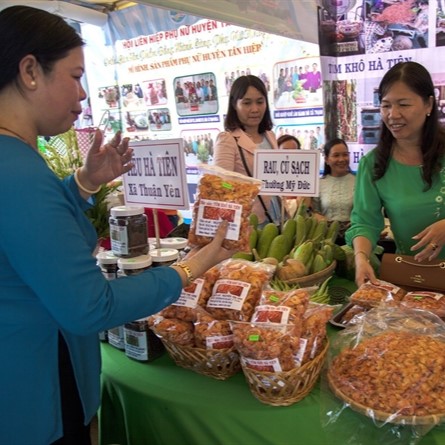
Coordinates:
(384, 377)
(223, 195)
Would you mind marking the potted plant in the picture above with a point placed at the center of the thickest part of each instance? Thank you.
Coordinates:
(64, 157)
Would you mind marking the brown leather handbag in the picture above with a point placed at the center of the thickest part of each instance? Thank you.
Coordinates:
(404, 271)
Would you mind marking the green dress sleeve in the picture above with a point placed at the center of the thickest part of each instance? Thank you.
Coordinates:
(367, 217)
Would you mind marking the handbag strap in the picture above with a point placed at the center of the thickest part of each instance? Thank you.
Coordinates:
(246, 167)
(399, 259)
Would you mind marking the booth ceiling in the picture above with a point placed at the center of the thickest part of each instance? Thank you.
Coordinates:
(296, 19)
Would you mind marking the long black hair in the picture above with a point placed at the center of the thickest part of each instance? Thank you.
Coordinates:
(417, 78)
(25, 30)
(238, 91)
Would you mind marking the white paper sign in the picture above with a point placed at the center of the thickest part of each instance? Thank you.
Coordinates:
(158, 178)
(288, 172)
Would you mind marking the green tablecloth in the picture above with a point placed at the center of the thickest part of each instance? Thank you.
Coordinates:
(160, 403)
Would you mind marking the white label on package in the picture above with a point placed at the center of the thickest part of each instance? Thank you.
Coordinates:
(211, 213)
(424, 294)
(190, 295)
(119, 239)
(298, 357)
(272, 365)
(229, 294)
(219, 342)
(387, 286)
(267, 313)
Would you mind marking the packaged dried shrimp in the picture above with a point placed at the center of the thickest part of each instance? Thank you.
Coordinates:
(281, 307)
(173, 330)
(314, 331)
(371, 295)
(184, 307)
(223, 195)
(211, 333)
(426, 300)
(393, 374)
(238, 289)
(266, 347)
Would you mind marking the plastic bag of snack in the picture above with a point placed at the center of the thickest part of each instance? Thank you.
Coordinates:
(281, 307)
(350, 317)
(388, 368)
(211, 333)
(372, 294)
(267, 347)
(223, 195)
(314, 331)
(173, 330)
(184, 307)
(238, 289)
(426, 300)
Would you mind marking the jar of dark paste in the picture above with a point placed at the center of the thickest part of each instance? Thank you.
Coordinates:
(141, 343)
(107, 261)
(128, 231)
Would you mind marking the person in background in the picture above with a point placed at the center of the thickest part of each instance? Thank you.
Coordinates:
(248, 126)
(287, 141)
(320, 138)
(334, 202)
(179, 93)
(213, 90)
(404, 174)
(54, 299)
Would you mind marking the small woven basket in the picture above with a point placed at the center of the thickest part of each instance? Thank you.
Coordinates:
(285, 388)
(217, 363)
(314, 279)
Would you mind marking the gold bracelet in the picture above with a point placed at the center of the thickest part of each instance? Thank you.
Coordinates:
(188, 272)
(76, 178)
(363, 252)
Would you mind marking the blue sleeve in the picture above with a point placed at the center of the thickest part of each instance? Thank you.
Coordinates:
(47, 263)
(84, 204)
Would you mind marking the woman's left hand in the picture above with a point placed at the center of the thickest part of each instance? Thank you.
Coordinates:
(107, 162)
(431, 239)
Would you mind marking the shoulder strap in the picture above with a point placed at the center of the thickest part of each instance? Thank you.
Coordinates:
(243, 159)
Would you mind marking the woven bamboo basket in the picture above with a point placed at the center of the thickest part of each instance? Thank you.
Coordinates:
(217, 363)
(314, 279)
(285, 388)
(432, 419)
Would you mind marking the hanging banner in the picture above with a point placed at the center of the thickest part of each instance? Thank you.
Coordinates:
(158, 178)
(359, 42)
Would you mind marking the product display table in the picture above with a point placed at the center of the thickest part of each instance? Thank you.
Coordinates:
(162, 404)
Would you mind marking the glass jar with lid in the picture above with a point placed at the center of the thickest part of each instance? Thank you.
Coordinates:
(107, 261)
(178, 243)
(141, 343)
(164, 257)
(133, 266)
(128, 231)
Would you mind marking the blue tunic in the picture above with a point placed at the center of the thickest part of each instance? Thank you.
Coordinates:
(49, 282)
